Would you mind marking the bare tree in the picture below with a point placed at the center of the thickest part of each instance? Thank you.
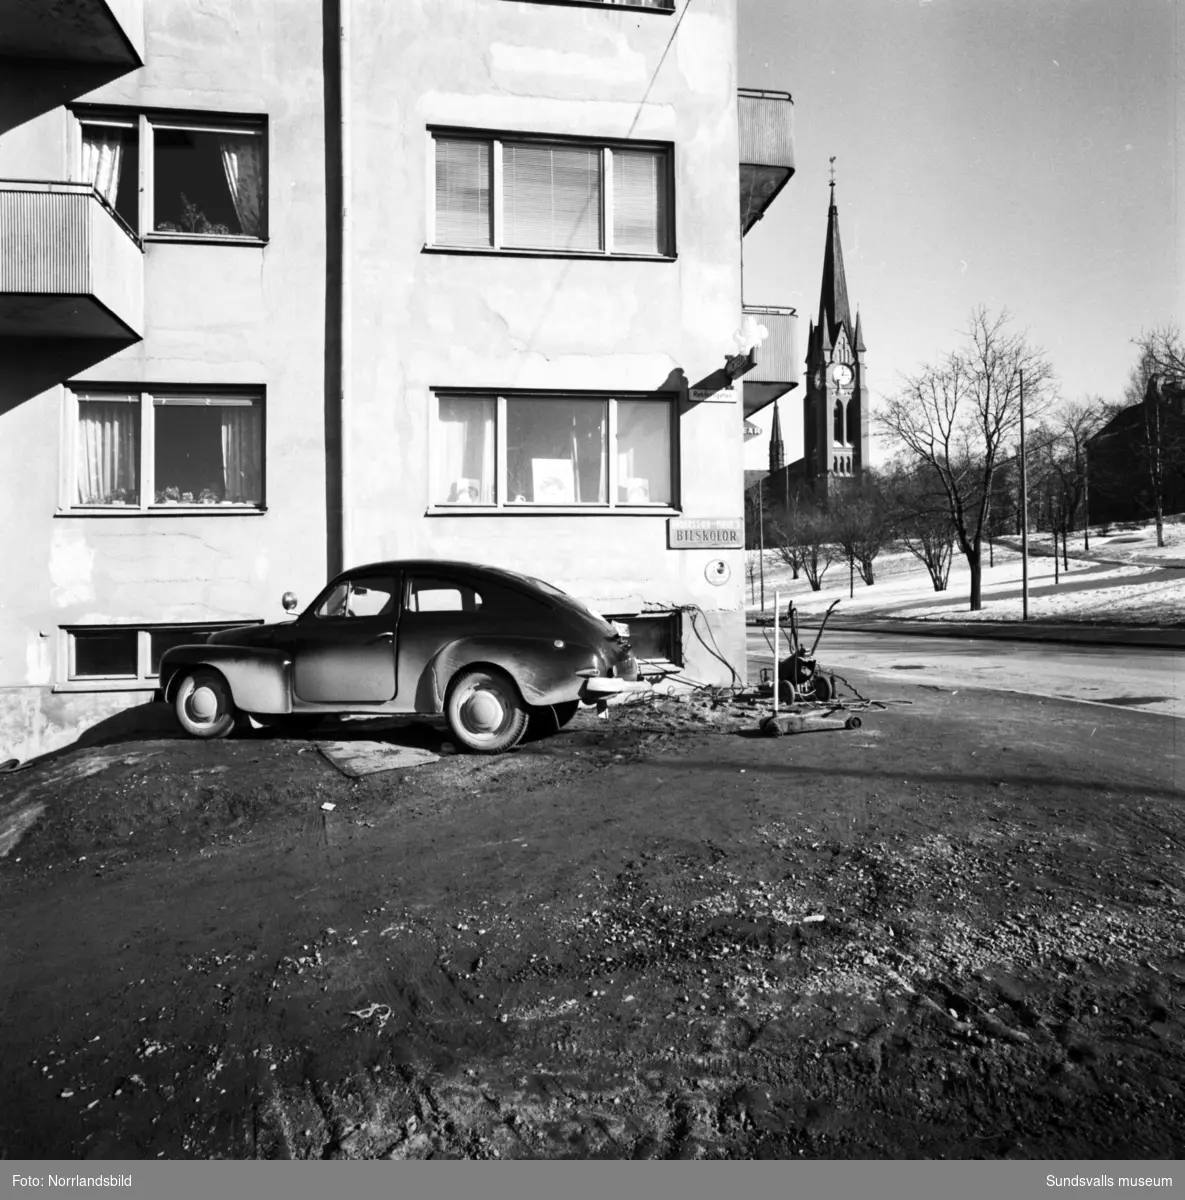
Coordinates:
(1060, 458)
(862, 523)
(958, 415)
(921, 519)
(803, 539)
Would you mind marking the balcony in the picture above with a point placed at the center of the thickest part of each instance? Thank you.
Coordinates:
(777, 370)
(109, 32)
(766, 126)
(69, 267)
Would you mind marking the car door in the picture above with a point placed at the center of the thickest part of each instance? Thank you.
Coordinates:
(344, 648)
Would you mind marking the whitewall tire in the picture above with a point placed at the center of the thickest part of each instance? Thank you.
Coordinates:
(204, 705)
(485, 712)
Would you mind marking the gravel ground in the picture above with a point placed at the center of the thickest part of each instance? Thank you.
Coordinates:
(955, 932)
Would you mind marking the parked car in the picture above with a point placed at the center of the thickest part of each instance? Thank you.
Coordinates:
(487, 648)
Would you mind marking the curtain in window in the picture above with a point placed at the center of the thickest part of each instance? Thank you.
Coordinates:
(242, 163)
(102, 158)
(108, 452)
(465, 471)
(552, 197)
(242, 457)
(639, 202)
(462, 192)
(643, 452)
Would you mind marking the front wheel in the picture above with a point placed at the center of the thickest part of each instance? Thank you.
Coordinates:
(484, 712)
(204, 705)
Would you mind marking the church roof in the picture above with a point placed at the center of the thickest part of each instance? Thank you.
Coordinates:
(833, 297)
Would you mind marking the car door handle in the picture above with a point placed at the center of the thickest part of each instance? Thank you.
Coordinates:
(381, 637)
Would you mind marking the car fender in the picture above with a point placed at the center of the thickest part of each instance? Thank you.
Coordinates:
(543, 672)
(259, 677)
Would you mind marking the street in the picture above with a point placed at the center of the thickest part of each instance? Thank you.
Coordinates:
(955, 932)
(1147, 679)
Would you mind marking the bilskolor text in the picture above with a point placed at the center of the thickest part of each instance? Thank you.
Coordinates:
(77, 1181)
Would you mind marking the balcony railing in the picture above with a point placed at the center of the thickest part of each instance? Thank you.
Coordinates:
(89, 31)
(777, 369)
(69, 267)
(766, 135)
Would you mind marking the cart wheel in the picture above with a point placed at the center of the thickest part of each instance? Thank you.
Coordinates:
(853, 723)
(823, 689)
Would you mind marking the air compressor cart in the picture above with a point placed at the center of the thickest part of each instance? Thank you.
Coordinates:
(797, 680)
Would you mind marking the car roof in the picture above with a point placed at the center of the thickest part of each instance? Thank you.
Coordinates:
(441, 564)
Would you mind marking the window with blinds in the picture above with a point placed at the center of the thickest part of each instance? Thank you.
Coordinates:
(559, 197)
(463, 216)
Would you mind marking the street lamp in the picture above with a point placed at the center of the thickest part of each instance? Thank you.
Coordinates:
(1024, 510)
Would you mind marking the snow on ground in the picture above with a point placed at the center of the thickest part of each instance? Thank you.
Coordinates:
(1114, 592)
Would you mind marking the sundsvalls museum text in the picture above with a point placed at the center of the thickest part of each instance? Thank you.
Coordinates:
(1105, 1181)
(71, 1181)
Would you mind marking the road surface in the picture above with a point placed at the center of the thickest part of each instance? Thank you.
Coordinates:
(1139, 678)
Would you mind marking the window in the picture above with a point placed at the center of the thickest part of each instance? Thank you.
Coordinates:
(127, 654)
(427, 595)
(360, 596)
(654, 637)
(139, 450)
(169, 177)
(528, 194)
(553, 451)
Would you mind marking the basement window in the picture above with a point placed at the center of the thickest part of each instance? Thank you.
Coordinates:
(128, 656)
(654, 637)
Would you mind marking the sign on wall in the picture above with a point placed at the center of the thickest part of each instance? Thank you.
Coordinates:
(706, 533)
(710, 395)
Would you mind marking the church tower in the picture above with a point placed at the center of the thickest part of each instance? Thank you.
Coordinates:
(777, 448)
(835, 408)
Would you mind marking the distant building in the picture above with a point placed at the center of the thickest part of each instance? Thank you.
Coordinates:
(1118, 457)
(836, 404)
(291, 287)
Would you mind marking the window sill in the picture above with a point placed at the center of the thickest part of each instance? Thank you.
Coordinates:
(605, 4)
(541, 510)
(582, 255)
(106, 685)
(204, 239)
(166, 510)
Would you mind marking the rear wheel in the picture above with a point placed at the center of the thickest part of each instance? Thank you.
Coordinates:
(485, 712)
(204, 705)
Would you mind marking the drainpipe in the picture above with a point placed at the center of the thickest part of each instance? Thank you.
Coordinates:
(346, 289)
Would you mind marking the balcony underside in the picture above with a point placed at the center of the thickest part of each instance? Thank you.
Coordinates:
(36, 316)
(89, 31)
(759, 188)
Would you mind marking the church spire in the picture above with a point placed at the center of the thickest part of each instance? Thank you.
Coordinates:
(777, 449)
(833, 298)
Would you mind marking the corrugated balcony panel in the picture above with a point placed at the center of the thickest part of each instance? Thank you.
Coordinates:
(88, 31)
(777, 369)
(68, 267)
(766, 144)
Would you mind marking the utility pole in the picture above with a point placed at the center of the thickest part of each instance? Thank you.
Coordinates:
(761, 538)
(1024, 510)
(1085, 503)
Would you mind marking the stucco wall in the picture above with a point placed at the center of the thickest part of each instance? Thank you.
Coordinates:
(251, 315)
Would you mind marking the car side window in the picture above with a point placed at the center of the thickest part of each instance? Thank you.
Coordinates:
(364, 596)
(428, 595)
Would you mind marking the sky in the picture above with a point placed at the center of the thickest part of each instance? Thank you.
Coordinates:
(1021, 154)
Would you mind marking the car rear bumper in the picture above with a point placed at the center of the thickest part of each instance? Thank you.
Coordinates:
(603, 686)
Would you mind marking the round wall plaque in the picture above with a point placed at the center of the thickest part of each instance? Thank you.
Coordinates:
(718, 572)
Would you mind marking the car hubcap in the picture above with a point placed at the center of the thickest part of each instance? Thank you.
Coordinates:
(203, 704)
(484, 712)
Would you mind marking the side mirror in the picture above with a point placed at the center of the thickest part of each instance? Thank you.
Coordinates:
(289, 601)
